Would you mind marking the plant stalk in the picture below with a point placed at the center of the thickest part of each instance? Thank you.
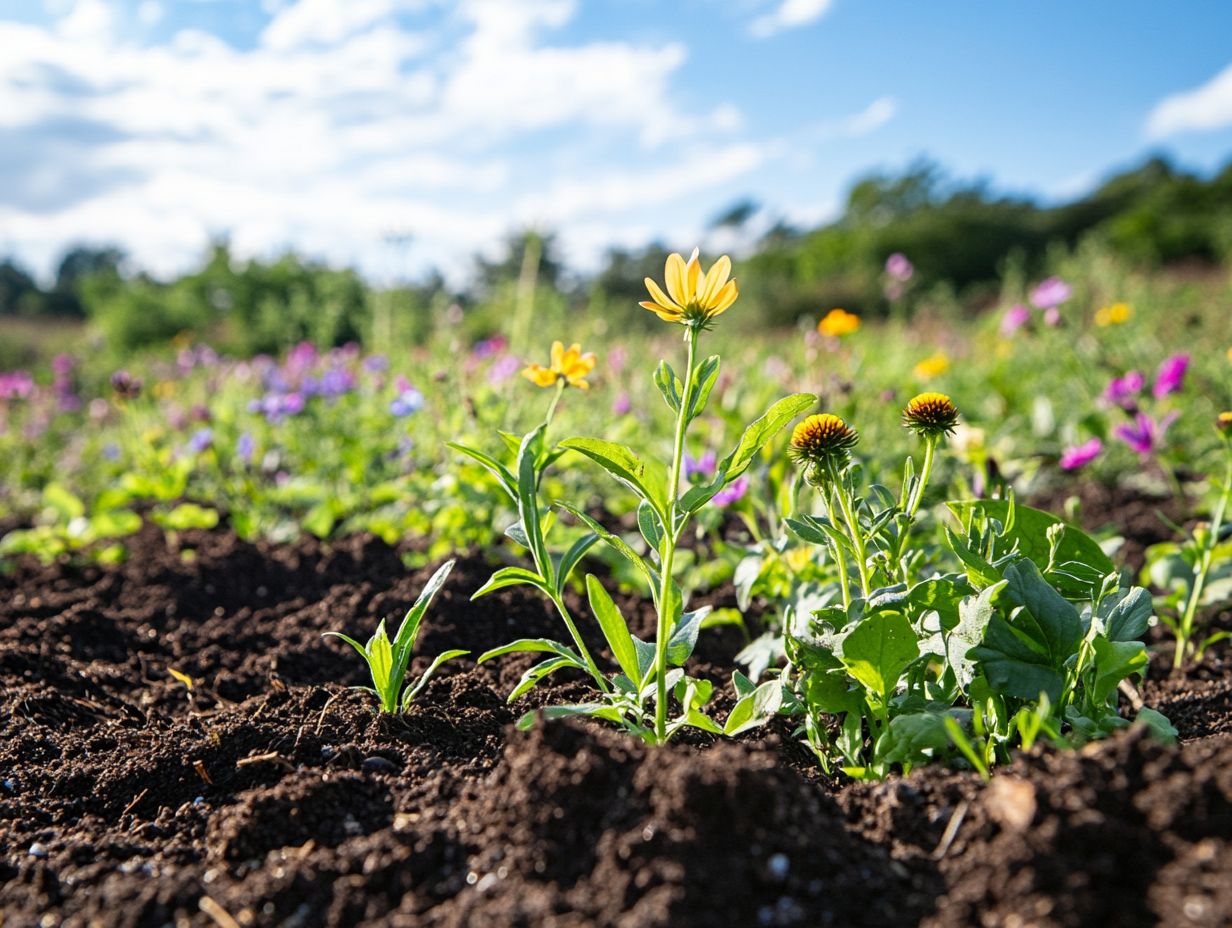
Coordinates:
(670, 537)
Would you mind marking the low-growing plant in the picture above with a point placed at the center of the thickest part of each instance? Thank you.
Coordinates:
(1031, 636)
(650, 672)
(388, 660)
(1197, 572)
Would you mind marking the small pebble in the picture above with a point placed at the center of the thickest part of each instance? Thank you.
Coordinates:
(37, 850)
(378, 764)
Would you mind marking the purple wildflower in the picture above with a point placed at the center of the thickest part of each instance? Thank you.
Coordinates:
(621, 405)
(702, 467)
(1171, 376)
(489, 347)
(732, 492)
(1050, 293)
(898, 267)
(375, 363)
(15, 385)
(245, 448)
(201, 440)
(125, 385)
(1123, 391)
(1144, 435)
(1081, 455)
(1052, 317)
(407, 402)
(503, 368)
(1014, 319)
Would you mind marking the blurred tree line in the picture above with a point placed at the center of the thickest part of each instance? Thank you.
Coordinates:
(958, 235)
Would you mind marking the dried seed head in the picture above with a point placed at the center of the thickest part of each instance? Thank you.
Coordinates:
(931, 414)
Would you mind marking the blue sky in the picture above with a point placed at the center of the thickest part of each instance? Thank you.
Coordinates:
(335, 126)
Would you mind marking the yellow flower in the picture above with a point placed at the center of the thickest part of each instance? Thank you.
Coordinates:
(1115, 314)
(570, 366)
(931, 367)
(820, 438)
(1223, 422)
(931, 414)
(837, 323)
(692, 298)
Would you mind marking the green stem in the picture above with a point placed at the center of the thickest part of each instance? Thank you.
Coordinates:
(1203, 568)
(841, 558)
(561, 383)
(853, 527)
(913, 503)
(930, 448)
(671, 534)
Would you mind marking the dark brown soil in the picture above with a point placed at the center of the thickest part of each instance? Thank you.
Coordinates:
(270, 794)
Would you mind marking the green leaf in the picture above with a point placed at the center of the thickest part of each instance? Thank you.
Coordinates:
(186, 516)
(570, 559)
(495, 467)
(320, 519)
(614, 627)
(512, 576)
(533, 646)
(1161, 729)
(413, 693)
(1114, 661)
(974, 614)
(755, 708)
(652, 576)
(914, 738)
(409, 629)
(1130, 616)
(1057, 620)
(762, 430)
(1014, 665)
(878, 650)
(537, 673)
(648, 524)
(684, 635)
(66, 505)
(528, 499)
(380, 664)
(704, 377)
(669, 385)
(1029, 529)
(752, 441)
(647, 480)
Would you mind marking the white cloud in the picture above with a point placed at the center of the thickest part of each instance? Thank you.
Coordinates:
(789, 14)
(342, 123)
(1202, 109)
(871, 118)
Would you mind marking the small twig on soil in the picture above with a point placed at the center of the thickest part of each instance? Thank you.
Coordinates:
(202, 772)
(324, 709)
(1131, 693)
(132, 805)
(272, 757)
(951, 830)
(222, 918)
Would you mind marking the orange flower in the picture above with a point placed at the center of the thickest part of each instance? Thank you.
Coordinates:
(837, 323)
(570, 366)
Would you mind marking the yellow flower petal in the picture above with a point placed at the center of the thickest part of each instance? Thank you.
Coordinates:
(716, 279)
(539, 375)
(674, 274)
(724, 298)
(693, 278)
(662, 298)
